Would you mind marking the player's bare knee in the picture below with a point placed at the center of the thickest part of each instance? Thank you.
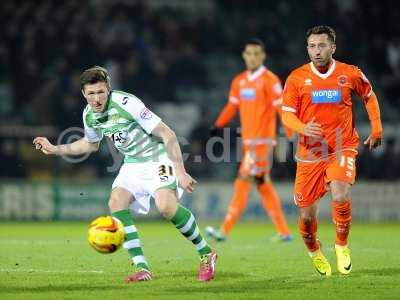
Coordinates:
(308, 215)
(261, 179)
(307, 220)
(120, 199)
(243, 177)
(113, 204)
(166, 209)
(340, 196)
(168, 213)
(340, 191)
(166, 203)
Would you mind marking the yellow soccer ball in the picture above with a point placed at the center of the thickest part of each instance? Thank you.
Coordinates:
(106, 234)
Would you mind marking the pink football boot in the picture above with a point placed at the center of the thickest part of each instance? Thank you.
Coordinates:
(207, 266)
(141, 275)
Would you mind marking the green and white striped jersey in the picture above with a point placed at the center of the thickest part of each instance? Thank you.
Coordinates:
(128, 123)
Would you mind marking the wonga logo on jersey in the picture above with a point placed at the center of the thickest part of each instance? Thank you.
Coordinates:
(247, 94)
(326, 96)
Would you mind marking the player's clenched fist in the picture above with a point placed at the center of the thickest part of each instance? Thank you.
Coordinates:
(43, 144)
(186, 182)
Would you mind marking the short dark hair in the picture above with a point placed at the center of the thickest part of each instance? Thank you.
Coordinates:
(255, 41)
(93, 75)
(321, 29)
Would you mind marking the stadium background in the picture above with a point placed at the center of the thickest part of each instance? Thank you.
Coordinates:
(179, 57)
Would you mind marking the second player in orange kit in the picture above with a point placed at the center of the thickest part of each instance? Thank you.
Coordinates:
(257, 94)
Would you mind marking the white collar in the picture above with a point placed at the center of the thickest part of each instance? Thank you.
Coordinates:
(323, 75)
(256, 74)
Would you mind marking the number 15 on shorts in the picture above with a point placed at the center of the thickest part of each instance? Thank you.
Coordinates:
(348, 163)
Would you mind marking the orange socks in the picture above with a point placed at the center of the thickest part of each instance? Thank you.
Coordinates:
(341, 212)
(238, 203)
(308, 231)
(272, 206)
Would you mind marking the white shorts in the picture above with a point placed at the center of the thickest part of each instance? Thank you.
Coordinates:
(143, 179)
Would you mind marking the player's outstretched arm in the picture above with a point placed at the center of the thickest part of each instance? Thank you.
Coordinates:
(78, 147)
(227, 114)
(175, 155)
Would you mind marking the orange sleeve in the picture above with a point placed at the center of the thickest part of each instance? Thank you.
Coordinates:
(274, 91)
(290, 120)
(230, 108)
(374, 115)
(361, 84)
(290, 97)
(288, 132)
(289, 107)
(234, 92)
(363, 88)
(226, 115)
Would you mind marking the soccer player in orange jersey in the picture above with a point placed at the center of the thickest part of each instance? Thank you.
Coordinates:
(257, 94)
(317, 104)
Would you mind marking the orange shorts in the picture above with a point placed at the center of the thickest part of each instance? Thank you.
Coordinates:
(255, 160)
(312, 178)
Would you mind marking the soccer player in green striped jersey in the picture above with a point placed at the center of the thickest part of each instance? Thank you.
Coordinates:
(153, 166)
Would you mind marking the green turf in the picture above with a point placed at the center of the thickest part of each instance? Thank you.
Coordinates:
(53, 261)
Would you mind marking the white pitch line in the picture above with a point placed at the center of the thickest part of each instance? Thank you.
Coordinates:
(50, 271)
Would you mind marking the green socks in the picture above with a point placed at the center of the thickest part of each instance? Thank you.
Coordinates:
(185, 222)
(132, 242)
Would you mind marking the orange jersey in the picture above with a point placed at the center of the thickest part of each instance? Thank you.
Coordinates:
(327, 98)
(258, 96)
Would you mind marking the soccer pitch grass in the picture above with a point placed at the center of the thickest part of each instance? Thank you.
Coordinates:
(54, 261)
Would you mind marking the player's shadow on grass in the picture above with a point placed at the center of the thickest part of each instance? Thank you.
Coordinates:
(59, 288)
(239, 287)
(377, 272)
(191, 274)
